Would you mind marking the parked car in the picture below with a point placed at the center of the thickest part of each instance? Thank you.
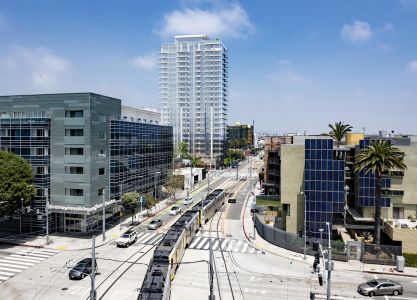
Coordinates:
(127, 239)
(175, 210)
(155, 224)
(187, 201)
(380, 287)
(82, 269)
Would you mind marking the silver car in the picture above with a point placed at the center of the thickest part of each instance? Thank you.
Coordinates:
(155, 224)
(380, 287)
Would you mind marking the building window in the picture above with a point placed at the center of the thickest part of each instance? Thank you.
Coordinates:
(100, 192)
(101, 171)
(74, 170)
(74, 132)
(74, 151)
(102, 135)
(74, 192)
(124, 117)
(74, 114)
(102, 153)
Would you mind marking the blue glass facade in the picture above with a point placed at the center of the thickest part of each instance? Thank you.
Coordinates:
(30, 139)
(366, 186)
(141, 156)
(324, 179)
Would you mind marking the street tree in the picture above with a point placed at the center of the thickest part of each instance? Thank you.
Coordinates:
(338, 131)
(378, 157)
(183, 150)
(150, 201)
(130, 201)
(174, 184)
(15, 182)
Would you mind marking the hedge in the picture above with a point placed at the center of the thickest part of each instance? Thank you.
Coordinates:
(410, 260)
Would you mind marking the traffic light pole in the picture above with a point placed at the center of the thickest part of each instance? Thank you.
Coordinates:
(93, 269)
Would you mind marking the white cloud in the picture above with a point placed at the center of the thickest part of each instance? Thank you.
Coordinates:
(286, 77)
(412, 66)
(358, 31)
(232, 21)
(144, 62)
(44, 66)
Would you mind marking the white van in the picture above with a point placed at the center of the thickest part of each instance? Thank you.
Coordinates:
(187, 201)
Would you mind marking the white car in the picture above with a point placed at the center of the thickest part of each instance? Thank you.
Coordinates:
(187, 201)
(175, 210)
(126, 239)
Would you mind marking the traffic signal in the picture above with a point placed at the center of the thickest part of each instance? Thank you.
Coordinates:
(320, 279)
(317, 258)
(315, 246)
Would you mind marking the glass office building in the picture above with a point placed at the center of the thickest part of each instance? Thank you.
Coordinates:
(140, 157)
(28, 137)
(324, 178)
(74, 141)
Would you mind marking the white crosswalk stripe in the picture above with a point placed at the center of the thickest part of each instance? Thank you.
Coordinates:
(20, 261)
(203, 243)
(149, 238)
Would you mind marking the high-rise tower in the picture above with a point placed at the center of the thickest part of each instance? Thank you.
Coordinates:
(193, 92)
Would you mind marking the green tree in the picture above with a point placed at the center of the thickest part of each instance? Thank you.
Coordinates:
(196, 161)
(130, 201)
(183, 150)
(150, 201)
(338, 131)
(15, 182)
(174, 184)
(379, 157)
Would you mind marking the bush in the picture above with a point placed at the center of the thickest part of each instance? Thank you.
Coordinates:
(410, 259)
(339, 245)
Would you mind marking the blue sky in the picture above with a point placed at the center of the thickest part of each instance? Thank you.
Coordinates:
(294, 65)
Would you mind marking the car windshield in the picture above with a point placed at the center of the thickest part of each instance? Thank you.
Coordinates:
(175, 208)
(153, 222)
(125, 236)
(79, 267)
(373, 283)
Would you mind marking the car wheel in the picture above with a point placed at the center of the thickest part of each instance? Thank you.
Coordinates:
(371, 294)
(395, 293)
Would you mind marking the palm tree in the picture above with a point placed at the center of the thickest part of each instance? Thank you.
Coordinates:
(378, 157)
(338, 131)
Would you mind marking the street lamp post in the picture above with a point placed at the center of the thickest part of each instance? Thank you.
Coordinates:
(104, 216)
(329, 263)
(156, 173)
(305, 224)
(47, 215)
(20, 219)
(345, 206)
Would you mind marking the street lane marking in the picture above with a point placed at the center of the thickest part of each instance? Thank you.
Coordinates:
(9, 269)
(6, 274)
(7, 260)
(32, 259)
(156, 241)
(146, 241)
(238, 246)
(28, 262)
(224, 243)
(245, 246)
(230, 246)
(203, 241)
(144, 236)
(4, 278)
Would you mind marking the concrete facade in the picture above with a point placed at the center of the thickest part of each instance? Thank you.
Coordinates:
(292, 183)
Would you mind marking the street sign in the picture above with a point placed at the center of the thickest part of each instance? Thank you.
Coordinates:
(142, 200)
(254, 210)
(231, 200)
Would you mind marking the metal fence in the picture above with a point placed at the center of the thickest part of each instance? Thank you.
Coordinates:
(380, 254)
(370, 253)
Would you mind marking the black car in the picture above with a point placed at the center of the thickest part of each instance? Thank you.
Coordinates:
(82, 269)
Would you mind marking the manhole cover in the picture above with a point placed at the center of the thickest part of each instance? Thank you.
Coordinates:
(64, 289)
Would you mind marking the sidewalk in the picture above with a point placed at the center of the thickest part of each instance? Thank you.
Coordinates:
(66, 241)
(353, 265)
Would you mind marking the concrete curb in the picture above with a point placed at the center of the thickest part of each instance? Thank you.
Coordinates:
(393, 274)
(19, 244)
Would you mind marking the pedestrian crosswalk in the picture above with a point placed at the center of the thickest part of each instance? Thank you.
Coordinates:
(16, 263)
(228, 245)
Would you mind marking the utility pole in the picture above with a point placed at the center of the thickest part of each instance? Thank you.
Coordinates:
(254, 225)
(47, 221)
(208, 183)
(329, 264)
(104, 216)
(211, 296)
(20, 219)
(211, 138)
(93, 294)
(237, 171)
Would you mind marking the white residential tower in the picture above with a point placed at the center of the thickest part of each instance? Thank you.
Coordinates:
(193, 92)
